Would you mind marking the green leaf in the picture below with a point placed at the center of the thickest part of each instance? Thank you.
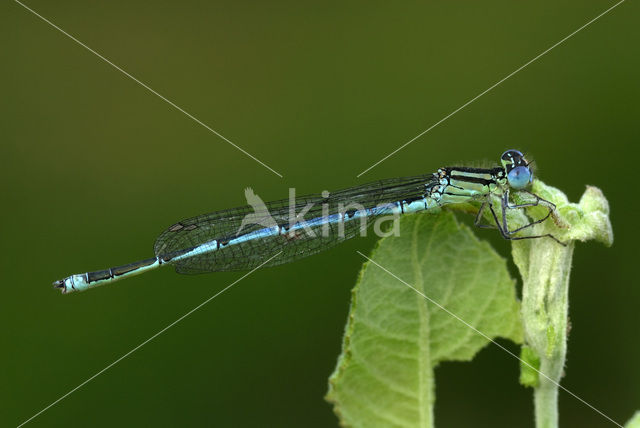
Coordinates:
(529, 367)
(395, 337)
(634, 422)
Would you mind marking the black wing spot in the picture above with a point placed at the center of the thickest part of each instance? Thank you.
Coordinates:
(176, 227)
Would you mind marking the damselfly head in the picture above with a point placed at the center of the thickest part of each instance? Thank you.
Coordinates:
(519, 175)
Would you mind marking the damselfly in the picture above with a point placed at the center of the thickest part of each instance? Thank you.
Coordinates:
(244, 238)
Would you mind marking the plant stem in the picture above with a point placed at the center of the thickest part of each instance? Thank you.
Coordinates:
(545, 267)
(545, 306)
(546, 404)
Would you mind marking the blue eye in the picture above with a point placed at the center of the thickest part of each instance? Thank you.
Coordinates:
(519, 177)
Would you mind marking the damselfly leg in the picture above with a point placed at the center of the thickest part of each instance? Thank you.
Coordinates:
(477, 221)
(538, 201)
(503, 226)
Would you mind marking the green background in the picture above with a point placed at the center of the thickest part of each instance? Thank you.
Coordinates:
(94, 167)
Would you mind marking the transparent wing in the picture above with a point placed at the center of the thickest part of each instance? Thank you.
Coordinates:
(226, 225)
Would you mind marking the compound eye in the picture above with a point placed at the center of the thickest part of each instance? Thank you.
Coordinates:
(519, 177)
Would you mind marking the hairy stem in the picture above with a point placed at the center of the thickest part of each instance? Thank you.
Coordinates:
(545, 266)
(545, 306)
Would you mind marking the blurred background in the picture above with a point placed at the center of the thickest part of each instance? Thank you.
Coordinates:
(94, 167)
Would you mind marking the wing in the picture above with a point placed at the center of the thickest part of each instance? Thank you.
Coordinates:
(224, 226)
